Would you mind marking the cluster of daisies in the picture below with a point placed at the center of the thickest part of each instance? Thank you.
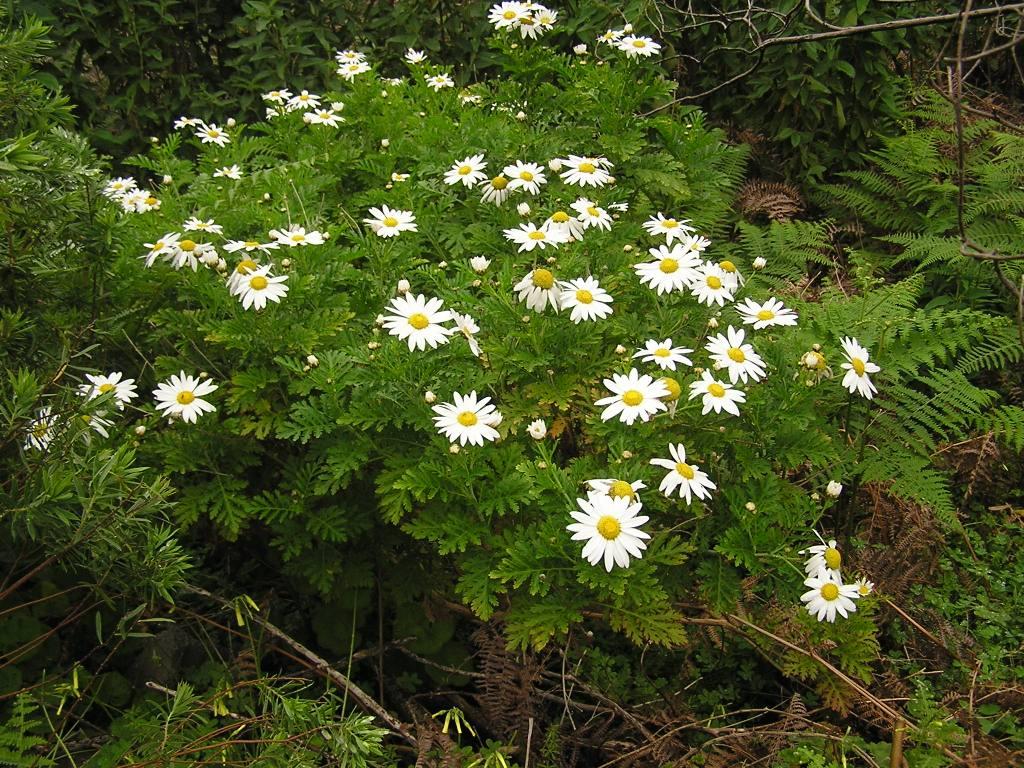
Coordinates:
(634, 46)
(125, 191)
(179, 397)
(529, 19)
(254, 284)
(827, 594)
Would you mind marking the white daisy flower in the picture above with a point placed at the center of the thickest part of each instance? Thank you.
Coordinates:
(825, 560)
(610, 486)
(771, 312)
(529, 237)
(259, 286)
(537, 429)
(857, 369)
(195, 224)
(467, 420)
(349, 56)
(399, 177)
(672, 229)
(182, 396)
(569, 227)
(728, 351)
(164, 247)
(864, 587)
(495, 190)
(211, 134)
(437, 82)
(508, 15)
(586, 298)
(525, 176)
(687, 477)
(303, 100)
(468, 327)
(717, 395)
(694, 243)
(139, 201)
(123, 389)
(733, 278)
(710, 285)
(117, 188)
(186, 122)
(828, 597)
(611, 36)
(233, 246)
(591, 215)
(237, 278)
(543, 18)
(663, 354)
(97, 423)
(586, 171)
(635, 396)
(468, 171)
(611, 528)
(672, 269)
(417, 320)
(188, 253)
(538, 289)
(228, 172)
(42, 430)
(320, 116)
(297, 236)
(412, 56)
(280, 96)
(350, 70)
(635, 46)
(390, 222)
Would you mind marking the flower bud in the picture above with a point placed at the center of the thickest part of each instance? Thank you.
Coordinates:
(524, 209)
(759, 262)
(140, 430)
(403, 286)
(833, 489)
(312, 360)
(231, 122)
(385, 143)
(429, 396)
(580, 50)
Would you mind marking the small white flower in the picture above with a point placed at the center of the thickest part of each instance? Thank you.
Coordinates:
(479, 264)
(389, 222)
(611, 528)
(828, 596)
(418, 321)
(864, 587)
(672, 229)
(211, 134)
(672, 269)
(580, 50)
(123, 390)
(327, 117)
(352, 69)
(634, 396)
(525, 176)
(833, 489)
(687, 477)
(437, 82)
(529, 236)
(468, 327)
(278, 97)
(187, 122)
(663, 354)
(164, 247)
(182, 396)
(729, 351)
(771, 312)
(711, 285)
(634, 46)
(303, 100)
(591, 215)
(412, 56)
(586, 171)
(586, 298)
(42, 430)
(537, 429)
(297, 236)
(717, 395)
(468, 171)
(467, 420)
(538, 289)
(259, 286)
(609, 486)
(857, 369)
(825, 559)
(195, 224)
(759, 263)
(495, 190)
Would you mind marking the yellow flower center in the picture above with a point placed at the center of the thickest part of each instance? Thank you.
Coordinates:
(639, 44)
(297, 238)
(537, 234)
(586, 168)
(499, 182)
(252, 244)
(542, 278)
(662, 352)
(668, 266)
(736, 354)
(620, 489)
(560, 217)
(864, 590)
(593, 212)
(187, 245)
(858, 365)
(674, 390)
(151, 200)
(390, 221)
(39, 430)
(765, 314)
(185, 397)
(632, 397)
(159, 245)
(86, 418)
(465, 169)
(685, 470)
(727, 266)
(713, 282)
(213, 133)
(509, 15)
(814, 360)
(258, 283)
(716, 389)
(832, 558)
(670, 223)
(303, 97)
(609, 527)
(245, 266)
(526, 176)
(106, 387)
(829, 591)
(467, 418)
(418, 321)
(583, 296)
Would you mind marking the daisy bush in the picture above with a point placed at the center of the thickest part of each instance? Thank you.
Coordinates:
(507, 345)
